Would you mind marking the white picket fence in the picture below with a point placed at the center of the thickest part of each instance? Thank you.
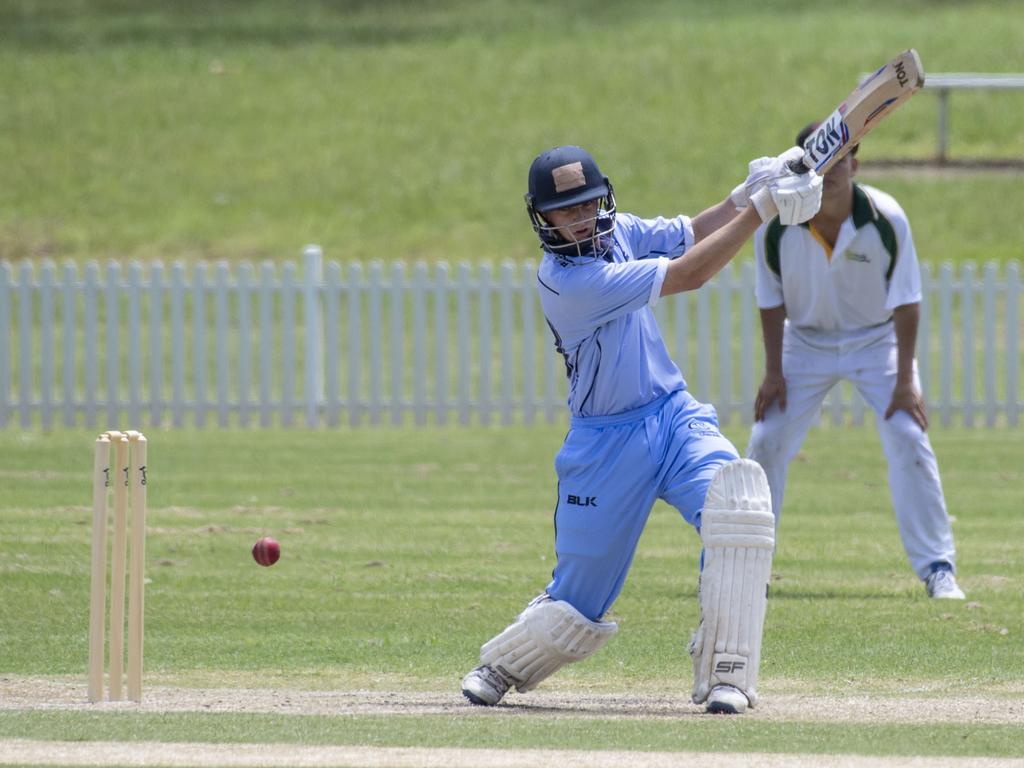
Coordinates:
(225, 345)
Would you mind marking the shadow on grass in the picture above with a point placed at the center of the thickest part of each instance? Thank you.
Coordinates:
(638, 708)
(836, 594)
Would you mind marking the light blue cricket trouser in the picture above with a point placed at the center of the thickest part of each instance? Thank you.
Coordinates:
(611, 470)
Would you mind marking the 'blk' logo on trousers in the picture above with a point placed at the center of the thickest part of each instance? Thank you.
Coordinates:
(583, 501)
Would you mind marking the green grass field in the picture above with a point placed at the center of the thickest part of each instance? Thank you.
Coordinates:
(404, 550)
(401, 130)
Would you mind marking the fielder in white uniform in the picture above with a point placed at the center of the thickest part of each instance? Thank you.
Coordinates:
(636, 434)
(839, 298)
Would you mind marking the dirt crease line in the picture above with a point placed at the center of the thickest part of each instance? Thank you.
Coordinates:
(63, 753)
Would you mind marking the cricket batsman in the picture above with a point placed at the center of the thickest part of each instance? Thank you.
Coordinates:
(636, 434)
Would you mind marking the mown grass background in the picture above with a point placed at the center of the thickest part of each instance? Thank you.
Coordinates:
(401, 130)
(404, 550)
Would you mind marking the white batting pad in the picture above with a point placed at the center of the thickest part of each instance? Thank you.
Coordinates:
(738, 533)
(546, 636)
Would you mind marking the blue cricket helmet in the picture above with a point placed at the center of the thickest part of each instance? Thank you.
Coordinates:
(561, 178)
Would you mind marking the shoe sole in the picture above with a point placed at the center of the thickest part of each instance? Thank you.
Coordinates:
(475, 700)
(721, 708)
(725, 700)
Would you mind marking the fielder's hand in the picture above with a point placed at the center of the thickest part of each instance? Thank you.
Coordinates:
(905, 397)
(772, 390)
(762, 171)
(794, 198)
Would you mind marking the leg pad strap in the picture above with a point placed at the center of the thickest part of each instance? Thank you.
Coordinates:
(546, 636)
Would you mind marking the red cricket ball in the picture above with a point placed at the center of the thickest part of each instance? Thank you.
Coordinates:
(266, 551)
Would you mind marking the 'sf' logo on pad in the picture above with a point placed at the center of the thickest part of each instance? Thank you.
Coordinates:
(569, 176)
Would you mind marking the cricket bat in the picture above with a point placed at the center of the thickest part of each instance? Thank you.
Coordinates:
(879, 94)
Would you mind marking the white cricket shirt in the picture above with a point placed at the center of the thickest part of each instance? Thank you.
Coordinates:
(849, 293)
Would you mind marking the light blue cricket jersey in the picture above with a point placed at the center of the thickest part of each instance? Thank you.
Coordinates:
(601, 313)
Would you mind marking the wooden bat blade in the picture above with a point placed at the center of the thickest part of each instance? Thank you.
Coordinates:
(880, 94)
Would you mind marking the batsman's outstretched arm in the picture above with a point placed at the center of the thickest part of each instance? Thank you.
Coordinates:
(713, 219)
(761, 172)
(794, 199)
(699, 264)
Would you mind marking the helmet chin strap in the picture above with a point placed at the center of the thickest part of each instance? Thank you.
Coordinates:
(596, 247)
(577, 251)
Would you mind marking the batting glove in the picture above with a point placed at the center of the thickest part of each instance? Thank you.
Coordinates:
(794, 198)
(762, 171)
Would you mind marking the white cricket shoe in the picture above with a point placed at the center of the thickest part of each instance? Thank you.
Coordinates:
(485, 686)
(941, 583)
(726, 700)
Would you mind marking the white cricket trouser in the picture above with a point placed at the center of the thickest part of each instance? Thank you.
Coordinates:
(810, 372)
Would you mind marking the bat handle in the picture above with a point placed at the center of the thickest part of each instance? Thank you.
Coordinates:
(798, 166)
